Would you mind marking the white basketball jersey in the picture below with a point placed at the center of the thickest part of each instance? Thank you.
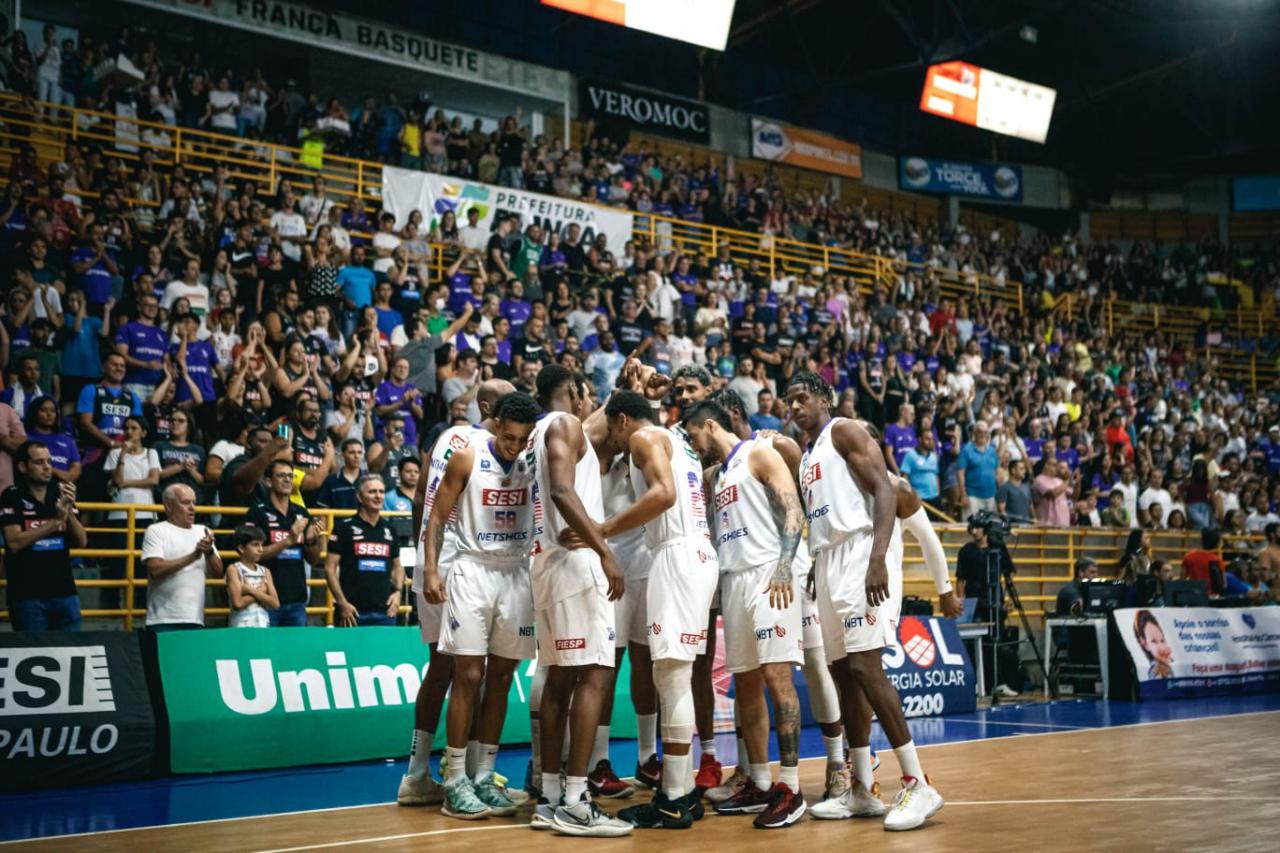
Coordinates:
(687, 517)
(547, 520)
(449, 442)
(745, 530)
(627, 547)
(834, 503)
(495, 514)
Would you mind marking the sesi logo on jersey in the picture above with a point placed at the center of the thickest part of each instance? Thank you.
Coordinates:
(372, 549)
(504, 497)
(812, 474)
(458, 441)
(724, 497)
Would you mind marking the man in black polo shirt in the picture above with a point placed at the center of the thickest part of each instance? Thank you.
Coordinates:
(40, 524)
(363, 567)
(292, 535)
(312, 451)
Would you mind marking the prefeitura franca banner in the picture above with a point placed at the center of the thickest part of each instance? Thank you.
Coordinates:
(241, 699)
(405, 190)
(1196, 651)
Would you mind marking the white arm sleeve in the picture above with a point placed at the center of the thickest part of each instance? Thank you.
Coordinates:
(935, 560)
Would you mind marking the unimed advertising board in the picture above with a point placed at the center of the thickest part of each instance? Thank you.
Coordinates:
(74, 709)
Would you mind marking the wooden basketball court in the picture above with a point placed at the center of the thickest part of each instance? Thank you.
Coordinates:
(1210, 783)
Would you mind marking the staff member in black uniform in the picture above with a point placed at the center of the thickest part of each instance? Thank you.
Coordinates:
(292, 534)
(363, 568)
(40, 524)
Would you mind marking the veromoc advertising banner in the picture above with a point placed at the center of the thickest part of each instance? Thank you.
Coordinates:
(405, 190)
(617, 106)
(74, 709)
(307, 696)
(808, 149)
(1198, 651)
(992, 181)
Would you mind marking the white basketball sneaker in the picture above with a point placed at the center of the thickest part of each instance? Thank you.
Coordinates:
(856, 801)
(419, 792)
(916, 802)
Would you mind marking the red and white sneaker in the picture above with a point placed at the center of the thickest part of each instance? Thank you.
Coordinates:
(729, 787)
(708, 775)
(605, 784)
(649, 774)
(749, 799)
(785, 808)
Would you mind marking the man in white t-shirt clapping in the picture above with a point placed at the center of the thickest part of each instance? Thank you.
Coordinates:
(178, 555)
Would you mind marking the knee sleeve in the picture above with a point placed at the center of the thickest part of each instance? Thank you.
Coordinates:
(823, 700)
(675, 697)
(535, 689)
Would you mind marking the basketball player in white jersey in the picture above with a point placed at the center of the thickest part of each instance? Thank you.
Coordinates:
(670, 504)
(854, 534)
(824, 702)
(863, 798)
(417, 787)
(573, 585)
(488, 615)
(690, 385)
(757, 525)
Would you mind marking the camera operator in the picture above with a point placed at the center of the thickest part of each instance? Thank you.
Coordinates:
(973, 581)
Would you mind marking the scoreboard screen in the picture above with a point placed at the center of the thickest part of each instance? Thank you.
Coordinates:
(983, 98)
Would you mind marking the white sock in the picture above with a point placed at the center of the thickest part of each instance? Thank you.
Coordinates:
(761, 776)
(677, 774)
(551, 788)
(473, 757)
(486, 761)
(909, 761)
(455, 758)
(647, 732)
(535, 744)
(835, 749)
(574, 788)
(709, 746)
(743, 759)
(420, 753)
(790, 776)
(861, 756)
(600, 749)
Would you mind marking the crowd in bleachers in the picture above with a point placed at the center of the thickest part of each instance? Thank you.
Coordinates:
(155, 318)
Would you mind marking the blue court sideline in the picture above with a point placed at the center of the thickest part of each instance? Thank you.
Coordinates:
(186, 799)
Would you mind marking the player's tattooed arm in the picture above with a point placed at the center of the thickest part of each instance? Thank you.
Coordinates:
(771, 470)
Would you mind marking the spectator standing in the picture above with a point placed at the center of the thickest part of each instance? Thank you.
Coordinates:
(355, 286)
(976, 471)
(12, 437)
(396, 395)
(747, 386)
(1051, 487)
(250, 590)
(1155, 493)
(1013, 496)
(181, 459)
(95, 268)
(363, 567)
(385, 456)
(900, 436)
(292, 543)
(142, 344)
(178, 555)
(463, 385)
(1197, 564)
(920, 466)
(40, 524)
(400, 499)
(44, 425)
(27, 389)
(339, 489)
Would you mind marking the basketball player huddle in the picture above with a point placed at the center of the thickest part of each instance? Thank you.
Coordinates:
(578, 536)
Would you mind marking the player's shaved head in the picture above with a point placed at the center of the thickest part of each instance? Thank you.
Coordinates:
(489, 392)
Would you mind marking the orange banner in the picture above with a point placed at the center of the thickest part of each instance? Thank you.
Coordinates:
(808, 149)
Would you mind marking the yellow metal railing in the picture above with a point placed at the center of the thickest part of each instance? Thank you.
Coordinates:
(133, 578)
(1044, 557)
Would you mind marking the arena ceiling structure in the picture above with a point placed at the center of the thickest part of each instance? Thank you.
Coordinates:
(1147, 87)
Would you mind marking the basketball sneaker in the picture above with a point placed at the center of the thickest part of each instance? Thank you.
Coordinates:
(916, 802)
(837, 782)
(519, 796)
(659, 813)
(785, 808)
(749, 799)
(693, 802)
(708, 775)
(583, 818)
(460, 801)
(489, 792)
(728, 787)
(856, 801)
(649, 774)
(543, 815)
(604, 783)
(419, 792)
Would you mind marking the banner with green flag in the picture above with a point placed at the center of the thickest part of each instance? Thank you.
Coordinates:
(243, 699)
